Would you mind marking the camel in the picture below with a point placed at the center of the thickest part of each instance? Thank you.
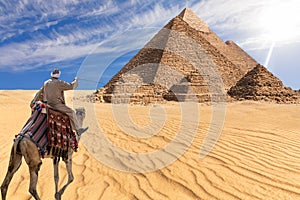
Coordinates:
(25, 147)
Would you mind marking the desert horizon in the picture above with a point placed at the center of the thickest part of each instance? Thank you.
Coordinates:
(256, 156)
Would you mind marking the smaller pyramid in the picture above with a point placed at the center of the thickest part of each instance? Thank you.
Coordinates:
(261, 85)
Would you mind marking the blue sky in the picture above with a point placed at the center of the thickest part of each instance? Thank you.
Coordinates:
(94, 39)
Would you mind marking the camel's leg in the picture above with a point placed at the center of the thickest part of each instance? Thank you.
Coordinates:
(14, 164)
(56, 177)
(34, 162)
(33, 181)
(70, 178)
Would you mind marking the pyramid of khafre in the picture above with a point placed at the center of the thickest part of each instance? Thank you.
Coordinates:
(260, 84)
(184, 61)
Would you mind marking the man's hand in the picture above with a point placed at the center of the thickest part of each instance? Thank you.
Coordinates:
(75, 83)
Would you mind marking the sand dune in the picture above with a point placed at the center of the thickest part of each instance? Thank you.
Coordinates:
(257, 155)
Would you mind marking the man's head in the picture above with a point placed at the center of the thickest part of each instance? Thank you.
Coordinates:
(55, 73)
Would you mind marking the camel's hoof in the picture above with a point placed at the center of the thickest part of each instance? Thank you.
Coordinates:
(58, 196)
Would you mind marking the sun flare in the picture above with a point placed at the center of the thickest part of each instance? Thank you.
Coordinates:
(280, 20)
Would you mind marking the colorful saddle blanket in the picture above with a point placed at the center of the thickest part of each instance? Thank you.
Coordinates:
(36, 129)
(60, 135)
(52, 135)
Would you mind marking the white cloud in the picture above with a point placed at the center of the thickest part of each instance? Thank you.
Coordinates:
(21, 57)
(108, 8)
(244, 18)
(41, 39)
(157, 16)
(229, 14)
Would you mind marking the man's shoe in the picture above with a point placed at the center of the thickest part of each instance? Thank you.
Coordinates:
(81, 130)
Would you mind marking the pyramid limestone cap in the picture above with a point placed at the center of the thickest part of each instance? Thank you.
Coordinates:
(193, 20)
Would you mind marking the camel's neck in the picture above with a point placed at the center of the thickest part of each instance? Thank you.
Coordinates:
(80, 117)
(80, 120)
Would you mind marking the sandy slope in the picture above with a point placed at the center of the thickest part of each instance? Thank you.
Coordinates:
(256, 157)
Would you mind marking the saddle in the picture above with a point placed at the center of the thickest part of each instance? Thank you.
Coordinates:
(50, 130)
(60, 135)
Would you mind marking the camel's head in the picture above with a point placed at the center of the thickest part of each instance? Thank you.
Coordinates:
(80, 113)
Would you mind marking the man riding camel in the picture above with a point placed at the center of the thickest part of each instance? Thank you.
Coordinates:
(52, 92)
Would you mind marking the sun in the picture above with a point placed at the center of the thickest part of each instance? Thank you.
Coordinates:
(280, 20)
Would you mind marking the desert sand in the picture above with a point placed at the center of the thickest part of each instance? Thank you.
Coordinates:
(256, 157)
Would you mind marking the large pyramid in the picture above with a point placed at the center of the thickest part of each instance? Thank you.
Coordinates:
(184, 61)
(260, 84)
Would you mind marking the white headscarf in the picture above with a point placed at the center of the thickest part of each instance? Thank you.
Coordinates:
(55, 73)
